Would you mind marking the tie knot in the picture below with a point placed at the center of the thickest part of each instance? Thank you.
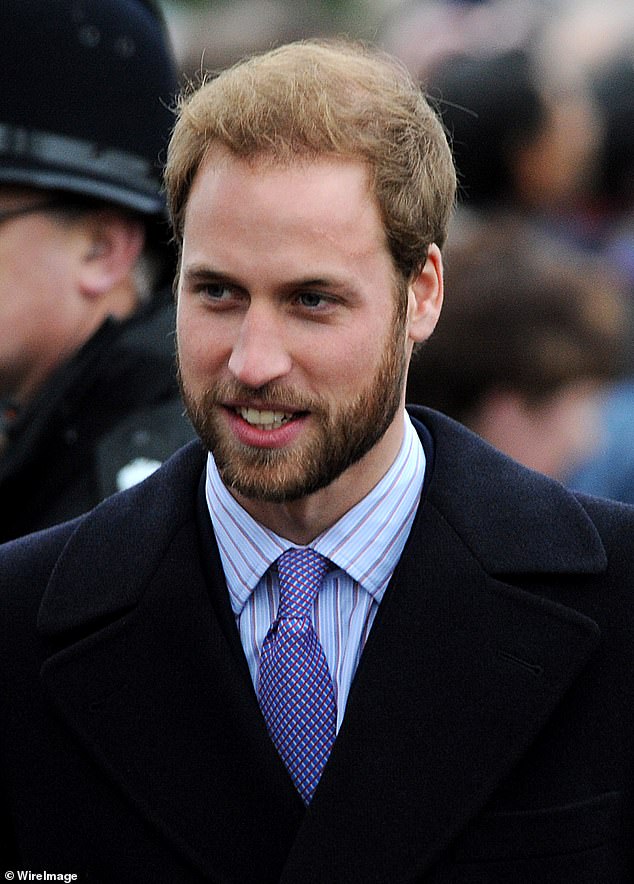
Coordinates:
(300, 572)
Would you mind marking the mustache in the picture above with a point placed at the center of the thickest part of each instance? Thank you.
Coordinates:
(267, 395)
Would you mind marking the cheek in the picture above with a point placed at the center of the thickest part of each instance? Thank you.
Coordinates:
(204, 349)
(347, 366)
(191, 357)
(21, 266)
(32, 300)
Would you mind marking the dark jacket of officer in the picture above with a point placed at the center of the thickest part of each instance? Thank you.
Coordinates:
(103, 421)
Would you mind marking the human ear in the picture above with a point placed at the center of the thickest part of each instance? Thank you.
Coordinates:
(425, 297)
(113, 243)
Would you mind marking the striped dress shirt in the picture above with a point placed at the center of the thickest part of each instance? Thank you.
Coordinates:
(364, 547)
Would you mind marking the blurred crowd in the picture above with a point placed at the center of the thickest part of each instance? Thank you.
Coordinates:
(534, 349)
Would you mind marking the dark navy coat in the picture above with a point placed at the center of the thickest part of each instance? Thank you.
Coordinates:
(489, 732)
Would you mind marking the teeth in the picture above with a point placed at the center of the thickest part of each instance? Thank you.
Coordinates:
(264, 420)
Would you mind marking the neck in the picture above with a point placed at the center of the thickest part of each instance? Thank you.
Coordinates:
(304, 519)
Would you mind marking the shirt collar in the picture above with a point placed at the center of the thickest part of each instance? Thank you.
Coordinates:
(366, 542)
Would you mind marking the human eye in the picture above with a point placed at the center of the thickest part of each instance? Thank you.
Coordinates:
(314, 301)
(216, 291)
(218, 294)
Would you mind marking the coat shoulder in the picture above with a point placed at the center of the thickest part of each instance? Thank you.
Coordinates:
(516, 520)
(124, 528)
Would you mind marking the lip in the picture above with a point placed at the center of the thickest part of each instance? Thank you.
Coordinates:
(253, 436)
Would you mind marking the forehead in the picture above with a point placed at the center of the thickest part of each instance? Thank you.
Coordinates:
(267, 227)
(258, 199)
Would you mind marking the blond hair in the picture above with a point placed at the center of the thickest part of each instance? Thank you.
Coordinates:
(313, 98)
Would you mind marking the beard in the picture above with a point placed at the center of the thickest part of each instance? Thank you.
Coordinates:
(340, 436)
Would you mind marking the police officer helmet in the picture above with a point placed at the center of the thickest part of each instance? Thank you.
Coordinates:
(87, 87)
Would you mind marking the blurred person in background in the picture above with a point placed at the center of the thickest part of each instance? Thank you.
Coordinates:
(608, 470)
(529, 338)
(526, 132)
(516, 145)
(423, 33)
(591, 43)
(538, 98)
(88, 398)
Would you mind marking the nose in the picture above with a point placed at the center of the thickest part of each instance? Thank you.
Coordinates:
(260, 353)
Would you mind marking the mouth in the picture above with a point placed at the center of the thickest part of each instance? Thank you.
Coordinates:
(265, 419)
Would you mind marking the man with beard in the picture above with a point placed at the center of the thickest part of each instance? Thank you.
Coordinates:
(337, 641)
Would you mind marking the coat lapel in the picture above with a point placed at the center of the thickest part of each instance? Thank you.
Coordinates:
(459, 675)
(461, 671)
(146, 678)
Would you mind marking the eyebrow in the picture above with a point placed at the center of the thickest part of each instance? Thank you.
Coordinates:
(198, 273)
(201, 273)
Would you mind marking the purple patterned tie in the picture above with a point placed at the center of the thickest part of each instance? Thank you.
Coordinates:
(294, 685)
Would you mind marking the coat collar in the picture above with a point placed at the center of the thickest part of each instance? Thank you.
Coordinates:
(461, 671)
(142, 672)
(116, 564)
(468, 479)
(514, 520)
